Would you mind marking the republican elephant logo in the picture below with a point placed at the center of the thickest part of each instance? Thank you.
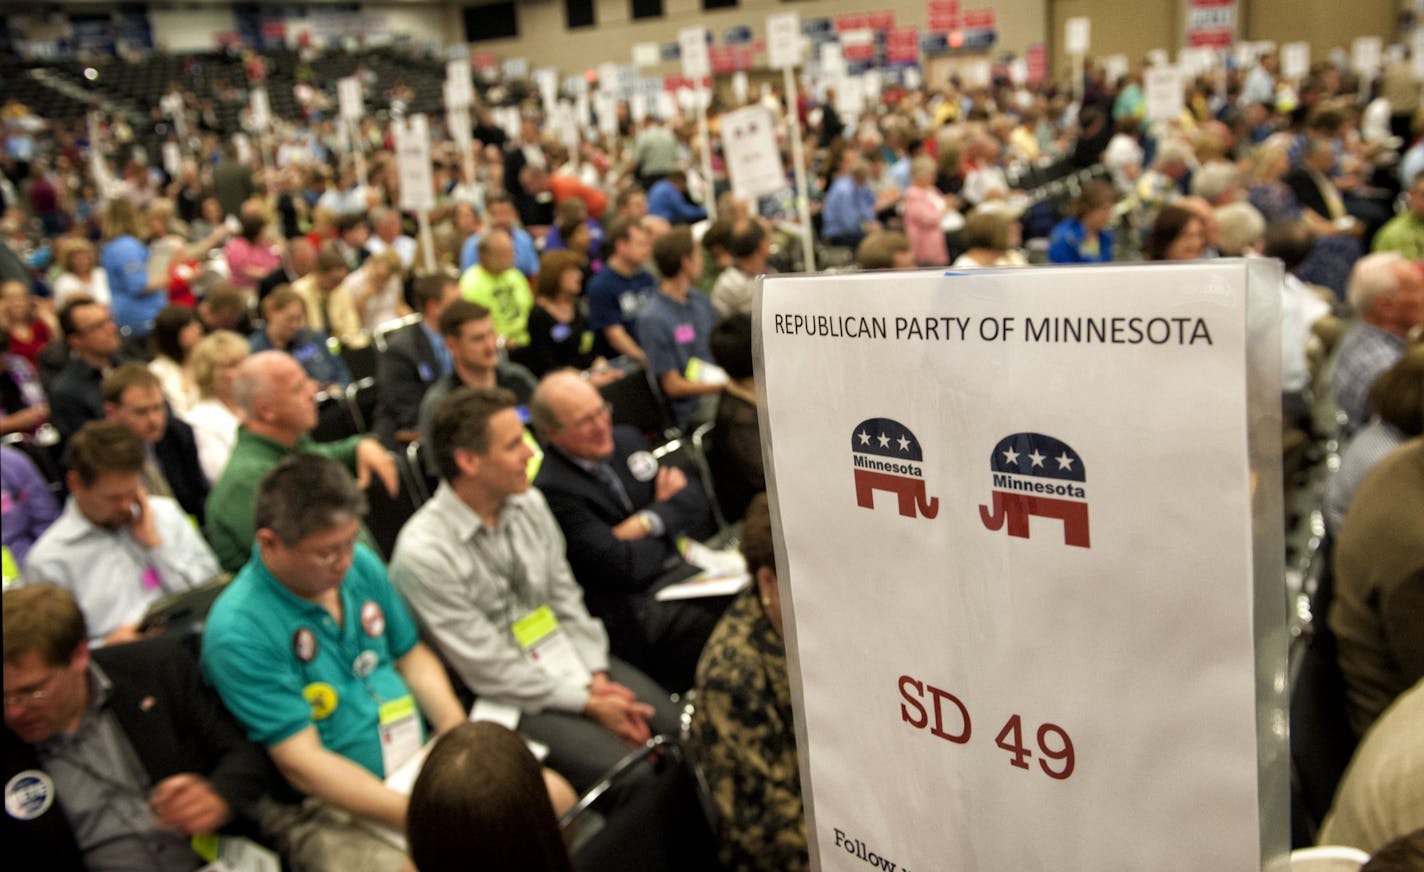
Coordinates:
(1034, 475)
(887, 457)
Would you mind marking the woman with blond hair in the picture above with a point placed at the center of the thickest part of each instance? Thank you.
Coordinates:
(79, 261)
(136, 299)
(925, 208)
(214, 418)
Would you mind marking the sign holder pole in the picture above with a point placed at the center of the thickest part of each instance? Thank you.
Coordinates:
(427, 239)
(704, 96)
(798, 166)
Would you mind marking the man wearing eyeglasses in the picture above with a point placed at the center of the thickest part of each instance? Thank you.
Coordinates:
(313, 651)
(93, 340)
(482, 565)
(622, 513)
(115, 758)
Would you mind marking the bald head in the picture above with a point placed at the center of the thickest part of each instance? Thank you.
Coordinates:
(277, 398)
(570, 414)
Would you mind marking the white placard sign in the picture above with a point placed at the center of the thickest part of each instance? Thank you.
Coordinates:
(417, 183)
(459, 92)
(1295, 60)
(850, 97)
(261, 109)
(739, 87)
(1033, 615)
(546, 79)
(1018, 71)
(457, 122)
(646, 54)
(872, 84)
(172, 159)
(607, 76)
(1416, 53)
(1163, 94)
(1365, 54)
(833, 65)
(606, 107)
(1115, 67)
(692, 45)
(638, 108)
(977, 74)
(1075, 35)
(912, 78)
(349, 99)
(753, 161)
(515, 68)
(1158, 57)
(783, 40)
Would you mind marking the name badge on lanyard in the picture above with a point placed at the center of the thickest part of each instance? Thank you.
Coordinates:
(544, 642)
(400, 732)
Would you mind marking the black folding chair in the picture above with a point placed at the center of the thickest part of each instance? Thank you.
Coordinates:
(386, 514)
(637, 403)
(666, 825)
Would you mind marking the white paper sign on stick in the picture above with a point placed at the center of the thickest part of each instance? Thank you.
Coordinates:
(417, 182)
(912, 78)
(783, 40)
(638, 108)
(739, 87)
(1158, 57)
(1365, 54)
(1416, 53)
(1018, 71)
(960, 529)
(172, 159)
(646, 54)
(833, 65)
(1075, 35)
(1115, 67)
(1163, 93)
(459, 92)
(1295, 60)
(753, 161)
(977, 74)
(261, 109)
(692, 44)
(349, 99)
(457, 121)
(546, 79)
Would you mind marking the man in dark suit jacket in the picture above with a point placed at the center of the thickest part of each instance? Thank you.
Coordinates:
(1310, 180)
(621, 514)
(414, 357)
(138, 751)
(93, 339)
(133, 397)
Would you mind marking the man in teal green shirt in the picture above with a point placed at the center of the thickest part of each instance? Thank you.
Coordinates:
(1405, 232)
(497, 285)
(278, 403)
(313, 652)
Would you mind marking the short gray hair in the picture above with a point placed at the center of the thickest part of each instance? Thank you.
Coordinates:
(306, 494)
(1375, 275)
(541, 406)
(253, 379)
(1214, 179)
(1238, 227)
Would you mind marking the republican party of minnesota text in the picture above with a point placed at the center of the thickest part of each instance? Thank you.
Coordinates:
(1095, 330)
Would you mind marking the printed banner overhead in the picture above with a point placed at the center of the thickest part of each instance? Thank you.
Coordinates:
(1029, 548)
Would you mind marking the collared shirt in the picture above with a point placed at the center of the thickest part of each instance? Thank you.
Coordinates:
(229, 526)
(103, 789)
(848, 208)
(282, 663)
(1365, 352)
(441, 350)
(732, 292)
(526, 254)
(1404, 233)
(510, 376)
(27, 507)
(111, 575)
(468, 583)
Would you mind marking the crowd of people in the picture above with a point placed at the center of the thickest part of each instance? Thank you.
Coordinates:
(175, 340)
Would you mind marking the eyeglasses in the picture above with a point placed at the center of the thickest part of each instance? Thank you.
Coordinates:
(89, 328)
(30, 697)
(592, 418)
(330, 557)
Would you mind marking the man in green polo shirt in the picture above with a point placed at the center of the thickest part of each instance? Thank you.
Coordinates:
(497, 285)
(314, 653)
(278, 403)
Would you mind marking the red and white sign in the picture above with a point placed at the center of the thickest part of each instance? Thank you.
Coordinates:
(978, 19)
(1037, 57)
(942, 16)
(1211, 23)
(902, 45)
(852, 21)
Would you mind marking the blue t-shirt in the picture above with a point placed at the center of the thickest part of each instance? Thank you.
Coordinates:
(615, 300)
(125, 262)
(672, 334)
(281, 664)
